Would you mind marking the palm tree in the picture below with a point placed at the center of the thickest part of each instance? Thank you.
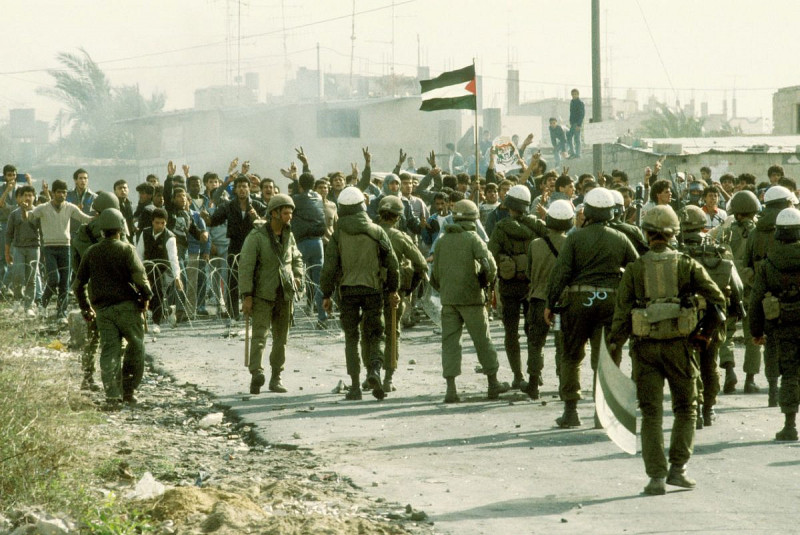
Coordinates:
(94, 107)
(665, 123)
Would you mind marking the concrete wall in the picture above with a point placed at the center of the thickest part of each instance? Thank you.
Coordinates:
(785, 111)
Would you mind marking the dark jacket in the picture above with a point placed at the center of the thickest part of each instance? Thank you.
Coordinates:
(778, 274)
(238, 227)
(113, 274)
(577, 112)
(308, 220)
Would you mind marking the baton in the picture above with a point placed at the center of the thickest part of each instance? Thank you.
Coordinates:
(247, 341)
(393, 337)
(144, 318)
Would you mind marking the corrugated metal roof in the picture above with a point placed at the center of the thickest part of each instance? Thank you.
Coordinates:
(751, 144)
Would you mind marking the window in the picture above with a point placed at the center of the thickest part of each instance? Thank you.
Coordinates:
(338, 123)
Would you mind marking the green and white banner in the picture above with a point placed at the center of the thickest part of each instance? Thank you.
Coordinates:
(452, 90)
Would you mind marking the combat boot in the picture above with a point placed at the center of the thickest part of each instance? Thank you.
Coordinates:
(656, 487)
(519, 382)
(709, 415)
(698, 423)
(354, 393)
(388, 386)
(374, 379)
(275, 384)
(89, 384)
(789, 431)
(677, 477)
(496, 387)
(451, 395)
(257, 380)
(729, 386)
(533, 387)
(570, 416)
(772, 397)
(750, 385)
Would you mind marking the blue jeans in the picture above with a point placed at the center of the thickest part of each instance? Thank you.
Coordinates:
(26, 273)
(57, 263)
(574, 141)
(313, 253)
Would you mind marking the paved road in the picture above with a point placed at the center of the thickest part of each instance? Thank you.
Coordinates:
(495, 466)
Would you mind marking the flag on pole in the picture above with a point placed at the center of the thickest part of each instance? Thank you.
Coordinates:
(615, 403)
(452, 90)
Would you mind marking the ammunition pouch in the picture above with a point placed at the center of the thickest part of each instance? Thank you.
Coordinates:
(663, 320)
(406, 275)
(771, 306)
(512, 267)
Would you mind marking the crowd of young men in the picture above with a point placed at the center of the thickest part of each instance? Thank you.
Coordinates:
(587, 257)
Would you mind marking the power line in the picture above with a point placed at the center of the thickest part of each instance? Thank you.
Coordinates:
(217, 43)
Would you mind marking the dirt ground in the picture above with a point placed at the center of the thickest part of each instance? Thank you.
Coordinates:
(493, 466)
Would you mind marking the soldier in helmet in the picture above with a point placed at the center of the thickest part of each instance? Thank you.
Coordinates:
(656, 308)
(587, 273)
(270, 274)
(759, 243)
(413, 270)
(509, 246)
(632, 232)
(463, 269)
(708, 340)
(117, 296)
(542, 255)
(88, 234)
(775, 311)
(732, 235)
(360, 264)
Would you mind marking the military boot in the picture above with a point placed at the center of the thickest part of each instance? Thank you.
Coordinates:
(789, 431)
(750, 384)
(275, 384)
(656, 487)
(533, 387)
(729, 387)
(709, 415)
(451, 396)
(677, 477)
(257, 380)
(496, 387)
(570, 416)
(519, 382)
(89, 384)
(374, 379)
(772, 397)
(354, 393)
(698, 423)
(388, 386)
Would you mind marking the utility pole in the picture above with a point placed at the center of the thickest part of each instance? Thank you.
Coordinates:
(597, 97)
(352, 47)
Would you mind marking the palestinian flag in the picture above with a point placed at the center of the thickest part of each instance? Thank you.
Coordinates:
(615, 403)
(452, 90)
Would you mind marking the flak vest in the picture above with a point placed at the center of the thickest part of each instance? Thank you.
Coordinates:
(360, 259)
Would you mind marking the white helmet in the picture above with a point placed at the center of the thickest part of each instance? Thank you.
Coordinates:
(618, 200)
(779, 193)
(350, 196)
(599, 198)
(788, 217)
(518, 198)
(561, 209)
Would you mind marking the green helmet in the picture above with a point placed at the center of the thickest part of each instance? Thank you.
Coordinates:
(744, 202)
(279, 201)
(391, 204)
(111, 219)
(662, 219)
(465, 210)
(105, 200)
(693, 219)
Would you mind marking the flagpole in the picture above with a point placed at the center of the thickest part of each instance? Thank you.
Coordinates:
(477, 150)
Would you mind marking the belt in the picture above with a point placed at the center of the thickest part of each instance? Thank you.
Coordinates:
(589, 288)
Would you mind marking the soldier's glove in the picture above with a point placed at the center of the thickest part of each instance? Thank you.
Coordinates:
(88, 315)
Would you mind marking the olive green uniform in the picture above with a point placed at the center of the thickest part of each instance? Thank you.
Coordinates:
(509, 245)
(359, 261)
(112, 278)
(269, 265)
(734, 237)
(588, 268)
(462, 269)
(655, 360)
(759, 243)
(779, 275)
(413, 268)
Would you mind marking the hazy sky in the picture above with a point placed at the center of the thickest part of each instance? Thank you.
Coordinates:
(674, 48)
